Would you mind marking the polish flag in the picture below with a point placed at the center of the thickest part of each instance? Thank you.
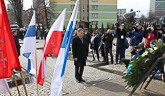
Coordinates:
(52, 45)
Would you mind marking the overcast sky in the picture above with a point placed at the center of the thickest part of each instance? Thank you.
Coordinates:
(142, 5)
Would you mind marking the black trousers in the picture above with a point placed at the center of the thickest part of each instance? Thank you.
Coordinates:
(120, 50)
(79, 72)
(97, 53)
(108, 50)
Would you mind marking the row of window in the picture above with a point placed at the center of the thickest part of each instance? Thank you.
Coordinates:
(94, 7)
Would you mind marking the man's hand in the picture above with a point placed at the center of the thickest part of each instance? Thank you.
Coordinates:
(75, 59)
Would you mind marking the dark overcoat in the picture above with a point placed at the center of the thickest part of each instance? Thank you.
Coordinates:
(17, 44)
(79, 51)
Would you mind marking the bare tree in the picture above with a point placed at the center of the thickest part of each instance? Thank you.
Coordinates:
(151, 16)
(17, 6)
(38, 4)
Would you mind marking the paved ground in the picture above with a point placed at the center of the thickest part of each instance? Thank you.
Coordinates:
(99, 78)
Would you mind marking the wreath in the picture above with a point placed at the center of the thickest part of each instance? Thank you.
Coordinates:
(139, 67)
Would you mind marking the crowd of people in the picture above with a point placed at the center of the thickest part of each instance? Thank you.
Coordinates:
(83, 41)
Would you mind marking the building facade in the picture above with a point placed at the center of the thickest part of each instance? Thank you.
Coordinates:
(91, 12)
(157, 7)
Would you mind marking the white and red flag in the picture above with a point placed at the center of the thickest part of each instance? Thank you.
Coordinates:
(52, 45)
(56, 85)
(8, 53)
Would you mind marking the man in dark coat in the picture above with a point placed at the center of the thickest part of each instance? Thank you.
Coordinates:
(16, 42)
(87, 37)
(79, 55)
(108, 40)
(120, 48)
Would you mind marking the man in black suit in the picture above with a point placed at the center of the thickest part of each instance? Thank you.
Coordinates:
(79, 55)
(87, 37)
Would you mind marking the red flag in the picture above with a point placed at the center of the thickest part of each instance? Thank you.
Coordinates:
(52, 45)
(8, 53)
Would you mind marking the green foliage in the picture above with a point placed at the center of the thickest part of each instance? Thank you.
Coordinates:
(107, 26)
(91, 29)
(96, 27)
(102, 28)
(141, 65)
(111, 26)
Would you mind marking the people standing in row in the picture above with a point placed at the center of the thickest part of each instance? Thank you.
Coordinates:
(108, 41)
(79, 55)
(94, 46)
(87, 37)
(120, 48)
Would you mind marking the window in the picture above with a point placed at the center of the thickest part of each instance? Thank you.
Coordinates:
(94, 0)
(94, 6)
(72, 6)
(95, 15)
(94, 22)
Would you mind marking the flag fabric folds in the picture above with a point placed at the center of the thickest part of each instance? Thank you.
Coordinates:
(57, 79)
(52, 45)
(29, 47)
(8, 52)
(4, 86)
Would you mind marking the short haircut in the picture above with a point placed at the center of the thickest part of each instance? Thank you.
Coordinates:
(109, 30)
(79, 29)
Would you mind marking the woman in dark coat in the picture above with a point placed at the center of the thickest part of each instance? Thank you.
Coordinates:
(94, 46)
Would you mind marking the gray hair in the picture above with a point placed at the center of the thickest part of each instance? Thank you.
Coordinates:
(79, 29)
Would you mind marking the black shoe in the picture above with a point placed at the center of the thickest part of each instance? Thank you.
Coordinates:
(111, 62)
(82, 80)
(78, 80)
(106, 63)
(93, 60)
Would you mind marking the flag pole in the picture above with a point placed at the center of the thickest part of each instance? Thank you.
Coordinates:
(36, 71)
(16, 84)
(23, 82)
(10, 94)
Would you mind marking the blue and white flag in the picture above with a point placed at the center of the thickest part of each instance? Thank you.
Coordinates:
(57, 79)
(29, 46)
